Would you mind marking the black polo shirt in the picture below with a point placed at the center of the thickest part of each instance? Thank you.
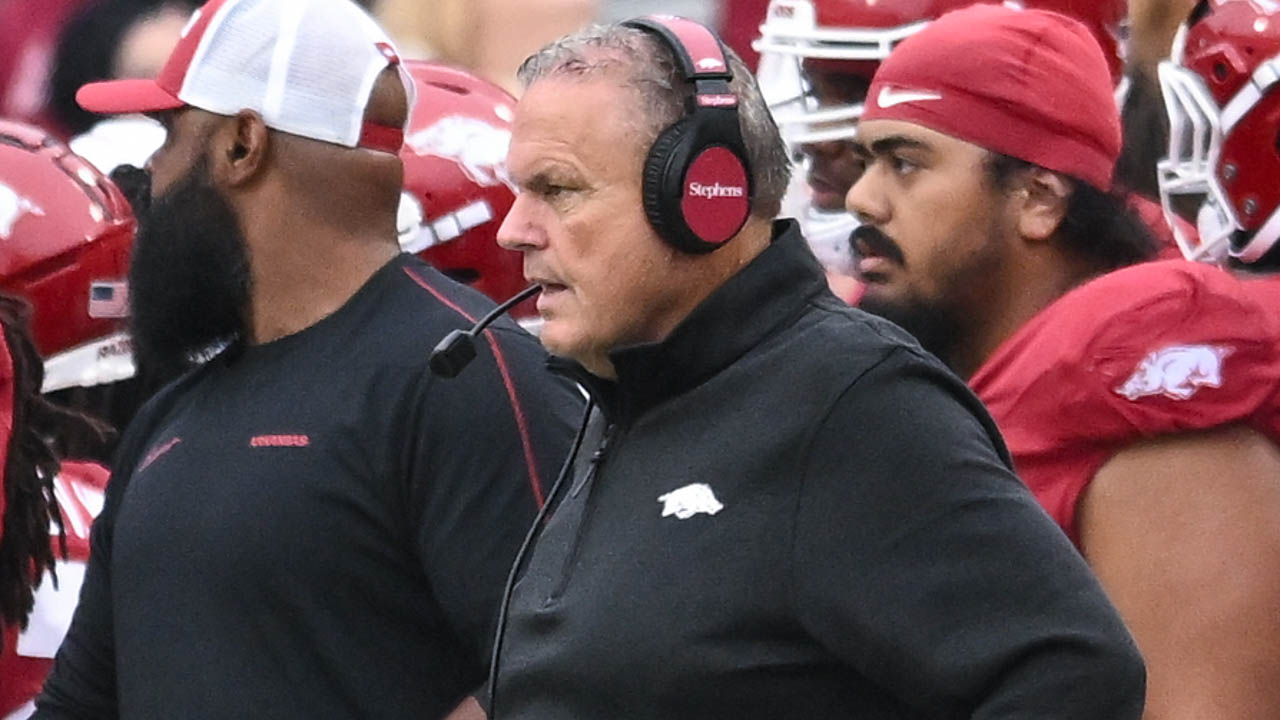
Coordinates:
(317, 527)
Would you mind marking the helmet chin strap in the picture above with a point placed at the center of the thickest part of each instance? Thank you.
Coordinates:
(1214, 228)
(1262, 241)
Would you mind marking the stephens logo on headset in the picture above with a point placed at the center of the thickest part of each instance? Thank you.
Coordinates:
(716, 190)
(716, 195)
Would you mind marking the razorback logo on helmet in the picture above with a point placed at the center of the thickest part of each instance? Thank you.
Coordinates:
(716, 190)
(12, 209)
(710, 63)
(479, 148)
(1176, 372)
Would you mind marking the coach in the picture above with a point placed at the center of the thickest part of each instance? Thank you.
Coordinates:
(781, 507)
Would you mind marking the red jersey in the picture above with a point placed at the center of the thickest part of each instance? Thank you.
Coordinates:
(1157, 348)
(27, 656)
(1152, 215)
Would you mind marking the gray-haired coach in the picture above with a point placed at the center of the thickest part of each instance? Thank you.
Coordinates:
(781, 507)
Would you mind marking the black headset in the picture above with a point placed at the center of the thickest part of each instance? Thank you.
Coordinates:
(697, 181)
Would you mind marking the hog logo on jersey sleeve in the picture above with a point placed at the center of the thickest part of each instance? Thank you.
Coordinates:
(12, 208)
(479, 148)
(1176, 372)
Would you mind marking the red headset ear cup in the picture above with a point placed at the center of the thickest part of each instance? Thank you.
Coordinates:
(696, 186)
(715, 193)
(658, 183)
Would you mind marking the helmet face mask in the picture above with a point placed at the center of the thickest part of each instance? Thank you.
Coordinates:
(799, 36)
(813, 73)
(1186, 178)
(1222, 96)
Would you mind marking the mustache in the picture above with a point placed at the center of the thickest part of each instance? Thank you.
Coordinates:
(875, 243)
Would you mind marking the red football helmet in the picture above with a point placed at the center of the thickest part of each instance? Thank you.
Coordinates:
(65, 236)
(456, 189)
(1222, 92)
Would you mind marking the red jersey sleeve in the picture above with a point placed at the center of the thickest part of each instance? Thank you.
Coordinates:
(1150, 350)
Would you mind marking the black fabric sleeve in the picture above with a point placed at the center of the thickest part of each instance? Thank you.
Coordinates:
(924, 562)
(491, 443)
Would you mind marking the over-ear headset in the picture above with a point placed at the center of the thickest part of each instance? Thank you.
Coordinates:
(697, 181)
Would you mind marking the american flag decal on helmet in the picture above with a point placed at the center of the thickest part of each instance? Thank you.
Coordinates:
(109, 300)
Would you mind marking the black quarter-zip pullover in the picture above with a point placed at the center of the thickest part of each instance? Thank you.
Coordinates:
(787, 509)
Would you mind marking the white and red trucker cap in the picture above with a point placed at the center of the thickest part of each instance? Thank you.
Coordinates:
(308, 66)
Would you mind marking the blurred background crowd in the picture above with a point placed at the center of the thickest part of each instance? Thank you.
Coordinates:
(51, 47)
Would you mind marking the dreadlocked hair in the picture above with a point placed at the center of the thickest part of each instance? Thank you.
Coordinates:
(31, 508)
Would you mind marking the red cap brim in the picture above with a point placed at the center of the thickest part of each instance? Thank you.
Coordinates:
(119, 97)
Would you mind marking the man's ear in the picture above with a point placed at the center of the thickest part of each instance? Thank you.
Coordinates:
(1042, 198)
(242, 145)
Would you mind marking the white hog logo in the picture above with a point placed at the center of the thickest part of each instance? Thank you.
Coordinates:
(479, 148)
(12, 208)
(1176, 372)
(690, 500)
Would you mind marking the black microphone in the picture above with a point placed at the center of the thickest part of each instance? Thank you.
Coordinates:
(458, 348)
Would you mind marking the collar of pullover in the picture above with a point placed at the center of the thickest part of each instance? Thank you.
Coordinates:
(751, 305)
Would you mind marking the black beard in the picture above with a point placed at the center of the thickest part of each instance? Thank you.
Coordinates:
(932, 326)
(189, 280)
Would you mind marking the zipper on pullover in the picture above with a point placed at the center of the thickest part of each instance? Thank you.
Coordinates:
(581, 508)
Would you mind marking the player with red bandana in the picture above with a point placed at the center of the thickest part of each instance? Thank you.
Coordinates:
(1140, 401)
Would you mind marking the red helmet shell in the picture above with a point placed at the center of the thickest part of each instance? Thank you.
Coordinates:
(1226, 46)
(1223, 87)
(455, 172)
(63, 227)
(1224, 43)
(1107, 20)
